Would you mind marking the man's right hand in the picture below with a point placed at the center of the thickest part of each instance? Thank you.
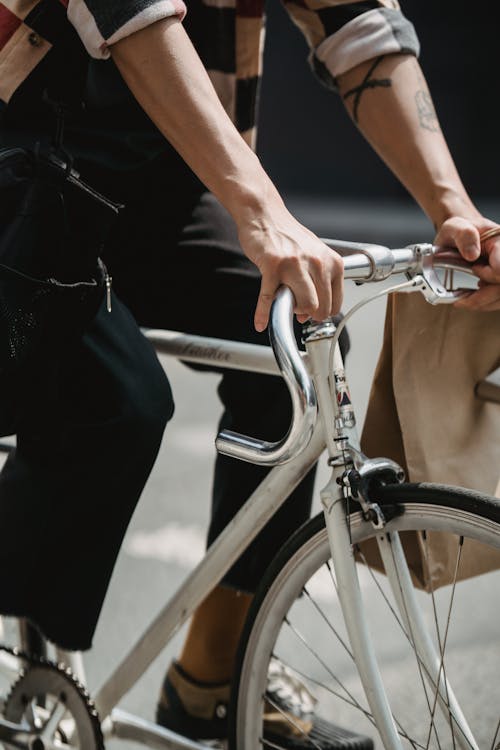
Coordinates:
(286, 253)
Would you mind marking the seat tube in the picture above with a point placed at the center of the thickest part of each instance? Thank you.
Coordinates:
(337, 434)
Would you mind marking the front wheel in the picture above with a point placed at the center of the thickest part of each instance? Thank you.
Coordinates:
(296, 622)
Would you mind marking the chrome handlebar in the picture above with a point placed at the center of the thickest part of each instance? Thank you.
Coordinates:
(366, 263)
(304, 405)
(363, 263)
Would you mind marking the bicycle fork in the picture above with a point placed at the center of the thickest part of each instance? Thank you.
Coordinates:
(318, 349)
(341, 439)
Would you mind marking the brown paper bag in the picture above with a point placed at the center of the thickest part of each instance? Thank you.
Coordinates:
(424, 413)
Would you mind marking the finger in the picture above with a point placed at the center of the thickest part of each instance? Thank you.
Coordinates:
(304, 291)
(337, 287)
(467, 241)
(486, 273)
(303, 318)
(485, 299)
(268, 288)
(461, 234)
(493, 248)
(320, 274)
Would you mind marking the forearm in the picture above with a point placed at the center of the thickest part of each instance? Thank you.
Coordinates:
(163, 71)
(165, 74)
(396, 115)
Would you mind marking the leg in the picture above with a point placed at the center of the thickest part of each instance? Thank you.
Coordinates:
(67, 489)
(254, 405)
(209, 651)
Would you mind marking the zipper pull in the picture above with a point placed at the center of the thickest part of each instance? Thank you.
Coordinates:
(108, 292)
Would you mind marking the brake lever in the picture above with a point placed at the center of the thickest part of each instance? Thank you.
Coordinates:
(427, 280)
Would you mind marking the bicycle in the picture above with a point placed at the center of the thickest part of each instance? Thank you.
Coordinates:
(322, 580)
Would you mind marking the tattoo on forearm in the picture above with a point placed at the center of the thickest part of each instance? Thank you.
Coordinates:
(426, 113)
(367, 83)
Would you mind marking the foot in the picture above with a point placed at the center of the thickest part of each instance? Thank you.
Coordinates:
(199, 711)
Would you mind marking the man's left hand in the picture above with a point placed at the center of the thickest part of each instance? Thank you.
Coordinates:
(465, 235)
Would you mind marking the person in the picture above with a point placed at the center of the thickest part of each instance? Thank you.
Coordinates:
(148, 129)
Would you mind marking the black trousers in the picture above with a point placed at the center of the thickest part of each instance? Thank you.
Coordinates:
(69, 489)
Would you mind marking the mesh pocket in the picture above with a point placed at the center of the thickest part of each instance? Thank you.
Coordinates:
(36, 316)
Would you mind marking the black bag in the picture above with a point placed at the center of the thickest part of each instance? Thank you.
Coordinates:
(52, 282)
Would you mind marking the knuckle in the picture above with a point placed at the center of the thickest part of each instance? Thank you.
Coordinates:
(469, 232)
(309, 304)
(291, 263)
(270, 265)
(317, 264)
(337, 262)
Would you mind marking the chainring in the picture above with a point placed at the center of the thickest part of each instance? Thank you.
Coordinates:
(53, 707)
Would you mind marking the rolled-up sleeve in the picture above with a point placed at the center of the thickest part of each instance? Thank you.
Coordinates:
(101, 23)
(342, 35)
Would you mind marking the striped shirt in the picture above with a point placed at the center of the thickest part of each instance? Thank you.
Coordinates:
(228, 35)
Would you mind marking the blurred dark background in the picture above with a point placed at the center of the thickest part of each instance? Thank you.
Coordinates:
(321, 163)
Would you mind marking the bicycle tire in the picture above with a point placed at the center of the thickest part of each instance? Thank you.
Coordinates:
(467, 514)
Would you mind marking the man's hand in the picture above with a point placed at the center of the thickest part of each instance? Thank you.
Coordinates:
(465, 235)
(285, 252)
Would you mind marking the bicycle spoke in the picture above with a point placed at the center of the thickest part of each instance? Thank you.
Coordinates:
(332, 576)
(381, 590)
(329, 689)
(403, 630)
(420, 666)
(442, 644)
(414, 648)
(367, 714)
(452, 719)
(401, 729)
(395, 614)
(438, 632)
(288, 717)
(329, 624)
(326, 667)
(346, 648)
(273, 745)
(351, 700)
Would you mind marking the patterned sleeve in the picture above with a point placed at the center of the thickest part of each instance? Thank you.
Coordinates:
(101, 23)
(29, 28)
(344, 34)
